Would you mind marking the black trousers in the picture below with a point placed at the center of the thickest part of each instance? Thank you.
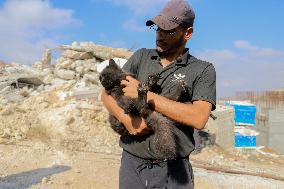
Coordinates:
(138, 173)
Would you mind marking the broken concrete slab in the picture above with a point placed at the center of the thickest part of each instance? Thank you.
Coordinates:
(65, 74)
(77, 55)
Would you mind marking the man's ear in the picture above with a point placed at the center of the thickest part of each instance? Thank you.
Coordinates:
(188, 33)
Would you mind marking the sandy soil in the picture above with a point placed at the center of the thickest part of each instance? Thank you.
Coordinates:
(35, 165)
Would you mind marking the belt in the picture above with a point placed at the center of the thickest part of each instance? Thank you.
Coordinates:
(149, 163)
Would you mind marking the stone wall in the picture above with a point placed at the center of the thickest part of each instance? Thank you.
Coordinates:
(222, 127)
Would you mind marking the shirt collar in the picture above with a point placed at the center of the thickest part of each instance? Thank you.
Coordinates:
(181, 60)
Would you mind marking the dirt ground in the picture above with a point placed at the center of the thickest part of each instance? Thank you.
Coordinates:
(36, 165)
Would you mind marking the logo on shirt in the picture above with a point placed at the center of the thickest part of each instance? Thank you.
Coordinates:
(179, 76)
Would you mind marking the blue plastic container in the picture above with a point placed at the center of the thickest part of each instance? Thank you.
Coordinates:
(244, 112)
(243, 141)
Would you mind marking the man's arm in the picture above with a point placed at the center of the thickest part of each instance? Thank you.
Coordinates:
(135, 125)
(195, 115)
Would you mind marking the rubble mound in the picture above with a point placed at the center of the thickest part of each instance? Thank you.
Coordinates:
(59, 103)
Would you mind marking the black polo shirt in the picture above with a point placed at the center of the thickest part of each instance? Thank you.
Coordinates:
(200, 78)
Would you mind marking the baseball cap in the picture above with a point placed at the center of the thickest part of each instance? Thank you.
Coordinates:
(175, 13)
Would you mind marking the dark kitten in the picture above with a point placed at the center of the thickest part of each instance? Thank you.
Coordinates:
(164, 142)
(110, 78)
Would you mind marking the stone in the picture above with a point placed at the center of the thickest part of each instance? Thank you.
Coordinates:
(79, 70)
(77, 55)
(65, 74)
(60, 60)
(5, 89)
(46, 59)
(85, 105)
(85, 94)
(102, 55)
(93, 78)
(56, 119)
(66, 64)
(57, 82)
(22, 69)
(34, 81)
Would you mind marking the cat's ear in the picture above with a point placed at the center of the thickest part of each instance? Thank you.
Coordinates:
(112, 63)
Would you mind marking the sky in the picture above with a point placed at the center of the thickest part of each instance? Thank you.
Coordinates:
(243, 39)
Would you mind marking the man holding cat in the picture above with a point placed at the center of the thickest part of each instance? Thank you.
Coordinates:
(141, 167)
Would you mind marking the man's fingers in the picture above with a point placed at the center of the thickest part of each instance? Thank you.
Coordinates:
(123, 90)
(129, 78)
(124, 83)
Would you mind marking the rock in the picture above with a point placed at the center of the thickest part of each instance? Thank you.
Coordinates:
(65, 74)
(77, 55)
(34, 81)
(79, 70)
(4, 85)
(23, 70)
(56, 120)
(94, 78)
(99, 51)
(66, 64)
(60, 60)
(24, 93)
(48, 79)
(102, 55)
(46, 59)
(85, 94)
(85, 105)
(5, 89)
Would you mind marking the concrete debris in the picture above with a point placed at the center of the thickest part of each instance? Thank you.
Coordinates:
(60, 100)
(45, 62)
(99, 51)
(65, 74)
(77, 55)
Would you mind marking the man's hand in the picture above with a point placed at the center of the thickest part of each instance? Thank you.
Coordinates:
(138, 126)
(130, 87)
(134, 124)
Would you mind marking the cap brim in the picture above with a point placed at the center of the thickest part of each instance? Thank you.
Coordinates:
(162, 22)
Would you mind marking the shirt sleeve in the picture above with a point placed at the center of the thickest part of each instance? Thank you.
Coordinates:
(132, 65)
(205, 86)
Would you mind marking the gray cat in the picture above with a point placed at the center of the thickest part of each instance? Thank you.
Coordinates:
(164, 142)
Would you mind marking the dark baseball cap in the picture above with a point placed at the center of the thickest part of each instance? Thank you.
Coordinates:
(175, 13)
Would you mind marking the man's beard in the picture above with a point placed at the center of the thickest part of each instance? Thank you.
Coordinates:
(169, 48)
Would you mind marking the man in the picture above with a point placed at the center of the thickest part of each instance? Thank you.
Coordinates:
(141, 167)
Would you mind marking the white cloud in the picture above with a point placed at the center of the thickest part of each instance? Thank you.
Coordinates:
(245, 45)
(26, 28)
(254, 68)
(140, 7)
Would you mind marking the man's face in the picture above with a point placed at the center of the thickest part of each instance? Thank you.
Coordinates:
(169, 40)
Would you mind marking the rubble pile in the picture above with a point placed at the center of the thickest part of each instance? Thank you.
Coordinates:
(58, 103)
